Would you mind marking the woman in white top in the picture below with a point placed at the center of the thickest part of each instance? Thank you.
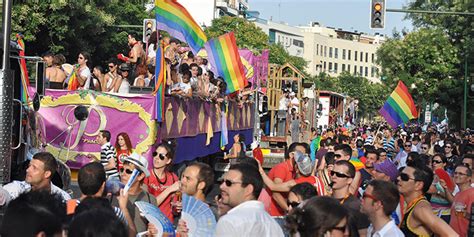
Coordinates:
(121, 84)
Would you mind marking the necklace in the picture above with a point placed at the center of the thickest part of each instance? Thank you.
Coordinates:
(158, 179)
(344, 199)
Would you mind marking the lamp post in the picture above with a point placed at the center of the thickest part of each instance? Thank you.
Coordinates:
(465, 93)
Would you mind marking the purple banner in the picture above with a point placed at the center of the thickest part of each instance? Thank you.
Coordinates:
(74, 141)
(256, 66)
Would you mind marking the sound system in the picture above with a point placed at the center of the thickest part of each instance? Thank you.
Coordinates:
(141, 90)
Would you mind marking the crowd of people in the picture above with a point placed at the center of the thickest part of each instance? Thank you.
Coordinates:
(404, 183)
(187, 75)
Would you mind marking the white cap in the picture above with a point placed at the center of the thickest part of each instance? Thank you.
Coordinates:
(140, 163)
(292, 93)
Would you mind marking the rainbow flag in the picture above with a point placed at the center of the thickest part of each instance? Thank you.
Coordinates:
(72, 82)
(358, 165)
(176, 20)
(160, 83)
(224, 57)
(224, 132)
(25, 81)
(399, 107)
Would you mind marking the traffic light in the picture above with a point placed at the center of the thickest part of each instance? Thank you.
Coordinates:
(149, 25)
(377, 14)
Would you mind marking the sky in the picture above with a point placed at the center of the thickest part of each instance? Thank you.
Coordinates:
(346, 14)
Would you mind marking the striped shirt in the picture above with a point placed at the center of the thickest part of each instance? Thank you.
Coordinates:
(108, 152)
(389, 147)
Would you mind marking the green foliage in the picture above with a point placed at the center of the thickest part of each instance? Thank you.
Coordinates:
(278, 55)
(247, 34)
(69, 27)
(424, 58)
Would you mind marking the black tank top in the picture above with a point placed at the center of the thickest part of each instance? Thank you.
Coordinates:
(404, 225)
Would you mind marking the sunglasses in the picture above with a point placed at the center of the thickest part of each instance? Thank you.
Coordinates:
(405, 177)
(128, 171)
(448, 147)
(339, 175)
(293, 204)
(162, 156)
(458, 173)
(437, 161)
(229, 183)
(340, 228)
(407, 145)
(366, 195)
(424, 148)
(81, 57)
(337, 155)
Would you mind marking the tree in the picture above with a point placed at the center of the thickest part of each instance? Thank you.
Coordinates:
(247, 34)
(427, 60)
(69, 27)
(279, 55)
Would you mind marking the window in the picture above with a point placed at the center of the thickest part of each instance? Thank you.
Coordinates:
(366, 57)
(317, 49)
(349, 68)
(330, 67)
(373, 58)
(349, 55)
(321, 50)
(355, 70)
(330, 52)
(361, 56)
(335, 67)
(343, 54)
(361, 71)
(355, 55)
(335, 52)
(325, 51)
(343, 67)
(372, 71)
(366, 72)
(324, 66)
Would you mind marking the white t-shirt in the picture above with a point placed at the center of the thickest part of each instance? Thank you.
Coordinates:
(86, 72)
(16, 188)
(294, 103)
(283, 104)
(151, 51)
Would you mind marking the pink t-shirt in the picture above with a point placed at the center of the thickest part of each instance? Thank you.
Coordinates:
(458, 223)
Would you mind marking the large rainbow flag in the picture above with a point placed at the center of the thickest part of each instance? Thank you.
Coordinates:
(224, 57)
(399, 107)
(176, 20)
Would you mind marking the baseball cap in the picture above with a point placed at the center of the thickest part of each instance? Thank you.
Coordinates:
(139, 161)
(292, 93)
(303, 162)
(387, 168)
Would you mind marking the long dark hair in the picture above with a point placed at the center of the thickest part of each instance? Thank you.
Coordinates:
(128, 143)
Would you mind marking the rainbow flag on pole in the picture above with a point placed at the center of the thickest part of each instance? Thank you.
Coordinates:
(176, 20)
(399, 107)
(224, 57)
(160, 83)
(72, 82)
(25, 81)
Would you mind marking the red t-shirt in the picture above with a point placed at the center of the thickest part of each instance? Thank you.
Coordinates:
(315, 181)
(460, 224)
(121, 154)
(285, 172)
(155, 188)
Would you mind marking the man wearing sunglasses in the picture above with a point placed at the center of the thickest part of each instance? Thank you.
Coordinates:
(460, 210)
(342, 176)
(344, 152)
(135, 193)
(240, 188)
(379, 201)
(401, 158)
(419, 219)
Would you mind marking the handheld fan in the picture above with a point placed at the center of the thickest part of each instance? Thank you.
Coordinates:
(131, 180)
(198, 216)
(153, 214)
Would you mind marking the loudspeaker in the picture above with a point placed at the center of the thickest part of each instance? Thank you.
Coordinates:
(40, 77)
(81, 113)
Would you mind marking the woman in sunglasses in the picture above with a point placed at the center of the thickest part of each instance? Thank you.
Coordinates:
(161, 177)
(441, 187)
(318, 217)
(123, 146)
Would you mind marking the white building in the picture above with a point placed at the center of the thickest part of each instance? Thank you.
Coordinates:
(334, 51)
(289, 36)
(204, 11)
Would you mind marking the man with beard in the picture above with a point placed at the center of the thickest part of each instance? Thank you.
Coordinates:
(367, 172)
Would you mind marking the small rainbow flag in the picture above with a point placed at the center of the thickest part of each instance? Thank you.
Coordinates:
(357, 163)
(72, 82)
(224, 132)
(176, 20)
(25, 81)
(224, 56)
(160, 83)
(399, 107)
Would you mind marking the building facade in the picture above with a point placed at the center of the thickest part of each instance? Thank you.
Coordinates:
(334, 51)
(204, 11)
(290, 37)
